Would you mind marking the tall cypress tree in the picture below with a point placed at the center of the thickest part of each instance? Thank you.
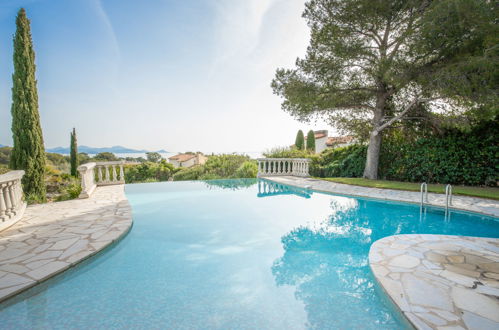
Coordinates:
(311, 141)
(74, 153)
(300, 140)
(28, 153)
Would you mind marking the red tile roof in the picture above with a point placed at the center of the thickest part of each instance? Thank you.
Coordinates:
(182, 157)
(339, 140)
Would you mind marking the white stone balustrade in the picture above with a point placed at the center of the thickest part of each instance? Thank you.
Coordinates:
(12, 205)
(283, 166)
(100, 174)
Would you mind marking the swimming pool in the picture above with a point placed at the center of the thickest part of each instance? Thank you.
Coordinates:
(236, 254)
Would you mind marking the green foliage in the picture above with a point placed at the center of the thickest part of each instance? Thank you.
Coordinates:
(286, 153)
(248, 169)
(60, 186)
(149, 172)
(340, 162)
(5, 153)
(300, 140)
(105, 157)
(83, 158)
(456, 157)
(4, 169)
(220, 167)
(191, 173)
(74, 154)
(57, 161)
(153, 157)
(28, 153)
(311, 141)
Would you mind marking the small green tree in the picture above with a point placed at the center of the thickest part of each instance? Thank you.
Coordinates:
(28, 153)
(74, 154)
(311, 141)
(300, 140)
(153, 157)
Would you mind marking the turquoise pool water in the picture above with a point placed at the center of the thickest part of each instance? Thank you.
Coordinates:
(226, 255)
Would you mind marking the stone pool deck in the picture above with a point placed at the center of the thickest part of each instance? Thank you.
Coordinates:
(53, 237)
(480, 205)
(440, 281)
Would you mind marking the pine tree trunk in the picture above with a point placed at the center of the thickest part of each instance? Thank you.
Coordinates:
(372, 160)
(374, 149)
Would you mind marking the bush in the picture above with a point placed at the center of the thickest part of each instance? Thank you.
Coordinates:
(340, 162)
(191, 173)
(5, 155)
(225, 166)
(456, 157)
(149, 172)
(281, 152)
(248, 169)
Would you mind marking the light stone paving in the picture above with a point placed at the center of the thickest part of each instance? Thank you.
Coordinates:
(440, 282)
(55, 236)
(480, 205)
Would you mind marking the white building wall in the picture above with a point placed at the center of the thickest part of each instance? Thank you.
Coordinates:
(174, 162)
(189, 163)
(320, 144)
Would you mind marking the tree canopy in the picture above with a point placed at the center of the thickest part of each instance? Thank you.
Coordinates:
(372, 63)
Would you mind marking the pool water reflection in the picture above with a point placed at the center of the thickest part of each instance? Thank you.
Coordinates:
(237, 254)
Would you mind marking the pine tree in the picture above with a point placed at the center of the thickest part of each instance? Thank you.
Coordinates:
(300, 140)
(311, 141)
(28, 153)
(74, 154)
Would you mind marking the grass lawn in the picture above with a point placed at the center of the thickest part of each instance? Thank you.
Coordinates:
(483, 192)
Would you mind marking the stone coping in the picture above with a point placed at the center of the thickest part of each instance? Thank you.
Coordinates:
(52, 237)
(474, 204)
(439, 281)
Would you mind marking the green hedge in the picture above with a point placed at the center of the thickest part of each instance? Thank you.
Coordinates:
(457, 157)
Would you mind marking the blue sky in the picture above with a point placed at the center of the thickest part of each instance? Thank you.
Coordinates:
(173, 74)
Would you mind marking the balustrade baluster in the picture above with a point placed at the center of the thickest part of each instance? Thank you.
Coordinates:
(3, 207)
(114, 173)
(12, 197)
(99, 173)
(122, 173)
(106, 172)
(8, 203)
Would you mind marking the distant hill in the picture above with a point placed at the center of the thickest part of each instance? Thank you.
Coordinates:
(93, 150)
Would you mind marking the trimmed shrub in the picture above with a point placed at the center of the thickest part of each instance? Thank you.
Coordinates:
(300, 140)
(311, 141)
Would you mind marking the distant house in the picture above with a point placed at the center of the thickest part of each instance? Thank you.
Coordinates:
(187, 160)
(323, 141)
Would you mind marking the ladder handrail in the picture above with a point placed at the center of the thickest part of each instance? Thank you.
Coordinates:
(448, 196)
(424, 197)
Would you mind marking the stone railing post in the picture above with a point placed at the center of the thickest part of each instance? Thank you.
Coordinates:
(87, 176)
(12, 205)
